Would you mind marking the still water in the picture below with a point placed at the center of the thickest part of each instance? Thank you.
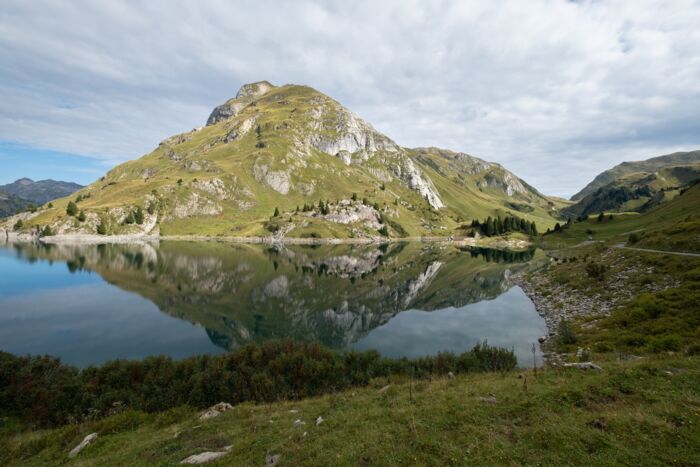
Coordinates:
(91, 303)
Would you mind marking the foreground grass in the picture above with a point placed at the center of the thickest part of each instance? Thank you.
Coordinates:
(642, 412)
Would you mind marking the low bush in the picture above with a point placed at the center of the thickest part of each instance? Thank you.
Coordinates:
(44, 391)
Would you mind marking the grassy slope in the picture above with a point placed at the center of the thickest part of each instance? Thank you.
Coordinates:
(649, 166)
(663, 184)
(644, 412)
(673, 226)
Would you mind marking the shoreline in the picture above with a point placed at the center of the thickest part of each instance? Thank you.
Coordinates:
(91, 239)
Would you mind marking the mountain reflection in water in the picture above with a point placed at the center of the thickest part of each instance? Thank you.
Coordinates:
(344, 296)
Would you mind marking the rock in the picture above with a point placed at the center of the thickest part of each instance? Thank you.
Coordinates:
(272, 459)
(319, 420)
(294, 411)
(299, 422)
(216, 410)
(583, 366)
(541, 339)
(205, 457)
(451, 375)
(488, 399)
(83, 444)
(384, 389)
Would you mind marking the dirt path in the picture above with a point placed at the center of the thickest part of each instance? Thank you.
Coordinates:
(679, 253)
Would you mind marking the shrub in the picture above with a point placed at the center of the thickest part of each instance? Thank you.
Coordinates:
(665, 344)
(138, 216)
(44, 391)
(596, 271)
(102, 228)
(71, 209)
(633, 238)
(18, 225)
(81, 216)
(566, 335)
(47, 232)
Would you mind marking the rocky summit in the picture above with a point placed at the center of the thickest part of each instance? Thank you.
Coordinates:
(289, 161)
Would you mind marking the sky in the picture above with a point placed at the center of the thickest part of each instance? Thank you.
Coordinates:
(556, 91)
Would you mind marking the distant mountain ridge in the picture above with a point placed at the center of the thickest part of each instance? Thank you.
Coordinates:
(10, 204)
(40, 192)
(646, 166)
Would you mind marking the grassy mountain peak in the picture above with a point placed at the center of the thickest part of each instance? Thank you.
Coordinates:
(294, 151)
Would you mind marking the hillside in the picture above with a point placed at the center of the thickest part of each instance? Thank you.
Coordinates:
(673, 226)
(10, 204)
(635, 412)
(40, 192)
(637, 191)
(281, 148)
(648, 166)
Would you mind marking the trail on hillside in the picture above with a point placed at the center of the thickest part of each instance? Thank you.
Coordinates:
(679, 253)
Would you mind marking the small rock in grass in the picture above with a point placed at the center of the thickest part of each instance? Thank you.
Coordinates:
(298, 423)
(451, 375)
(294, 411)
(319, 420)
(384, 389)
(488, 399)
(583, 366)
(205, 457)
(272, 459)
(83, 444)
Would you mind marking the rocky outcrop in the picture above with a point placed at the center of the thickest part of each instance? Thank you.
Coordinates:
(245, 95)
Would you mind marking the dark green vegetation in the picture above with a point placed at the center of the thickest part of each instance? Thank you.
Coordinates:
(500, 226)
(42, 391)
(644, 412)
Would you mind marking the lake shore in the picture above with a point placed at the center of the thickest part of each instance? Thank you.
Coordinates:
(90, 239)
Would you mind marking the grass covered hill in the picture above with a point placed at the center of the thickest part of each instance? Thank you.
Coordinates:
(648, 166)
(637, 192)
(291, 161)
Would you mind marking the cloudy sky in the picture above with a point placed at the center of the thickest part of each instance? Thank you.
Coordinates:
(555, 91)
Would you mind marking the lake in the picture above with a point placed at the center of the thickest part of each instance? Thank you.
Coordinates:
(88, 304)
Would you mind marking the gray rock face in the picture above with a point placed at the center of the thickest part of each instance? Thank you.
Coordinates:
(254, 89)
(216, 410)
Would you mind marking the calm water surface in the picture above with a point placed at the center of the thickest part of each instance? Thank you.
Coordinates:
(91, 303)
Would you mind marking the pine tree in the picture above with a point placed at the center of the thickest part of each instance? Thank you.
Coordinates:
(138, 216)
(277, 211)
(102, 228)
(18, 225)
(354, 196)
(81, 216)
(601, 217)
(71, 209)
(47, 232)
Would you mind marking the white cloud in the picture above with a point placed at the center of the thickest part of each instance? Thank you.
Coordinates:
(555, 91)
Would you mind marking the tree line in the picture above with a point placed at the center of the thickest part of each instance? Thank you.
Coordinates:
(501, 225)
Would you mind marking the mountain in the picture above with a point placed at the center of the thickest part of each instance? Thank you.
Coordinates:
(283, 149)
(648, 166)
(637, 191)
(40, 192)
(10, 204)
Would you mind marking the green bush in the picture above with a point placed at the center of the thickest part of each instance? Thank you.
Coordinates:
(44, 391)
(71, 209)
(566, 335)
(634, 238)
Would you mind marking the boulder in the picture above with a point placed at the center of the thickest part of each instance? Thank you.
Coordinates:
(216, 410)
(204, 457)
(271, 460)
(83, 444)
